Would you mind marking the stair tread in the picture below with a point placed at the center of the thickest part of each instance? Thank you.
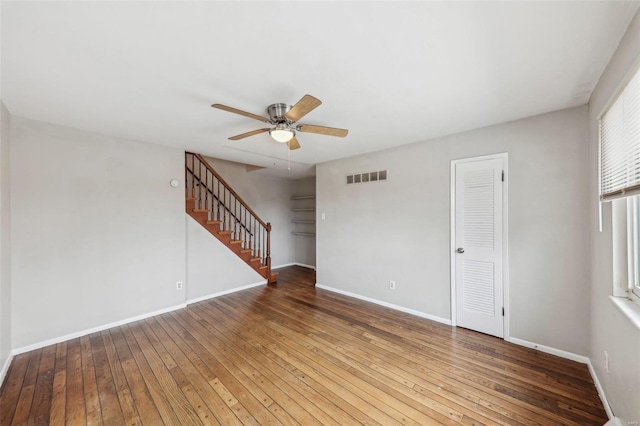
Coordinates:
(213, 222)
(264, 267)
(236, 241)
(246, 251)
(200, 210)
(226, 232)
(254, 259)
(191, 198)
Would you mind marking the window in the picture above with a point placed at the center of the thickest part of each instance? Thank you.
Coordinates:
(620, 144)
(619, 127)
(633, 244)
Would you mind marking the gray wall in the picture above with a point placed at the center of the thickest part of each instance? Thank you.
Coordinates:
(5, 239)
(305, 247)
(98, 234)
(399, 229)
(611, 331)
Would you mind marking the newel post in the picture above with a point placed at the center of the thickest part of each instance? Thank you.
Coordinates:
(269, 246)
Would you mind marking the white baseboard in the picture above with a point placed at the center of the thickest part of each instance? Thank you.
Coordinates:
(600, 389)
(294, 264)
(5, 368)
(64, 338)
(222, 293)
(387, 305)
(549, 350)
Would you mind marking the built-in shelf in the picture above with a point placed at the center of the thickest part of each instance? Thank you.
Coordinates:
(304, 220)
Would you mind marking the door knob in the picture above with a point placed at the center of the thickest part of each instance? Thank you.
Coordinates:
(460, 250)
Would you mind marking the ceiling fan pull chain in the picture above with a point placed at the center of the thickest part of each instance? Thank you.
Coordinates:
(289, 158)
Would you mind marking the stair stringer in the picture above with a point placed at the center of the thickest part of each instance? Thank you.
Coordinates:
(211, 267)
(201, 217)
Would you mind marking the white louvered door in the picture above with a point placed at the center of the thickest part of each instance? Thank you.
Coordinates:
(478, 254)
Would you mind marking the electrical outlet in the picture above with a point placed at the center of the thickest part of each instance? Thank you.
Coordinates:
(392, 285)
(179, 285)
(606, 361)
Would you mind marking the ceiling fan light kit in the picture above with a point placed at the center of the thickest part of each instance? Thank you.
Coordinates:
(281, 133)
(284, 117)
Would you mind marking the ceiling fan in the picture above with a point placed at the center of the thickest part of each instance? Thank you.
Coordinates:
(284, 118)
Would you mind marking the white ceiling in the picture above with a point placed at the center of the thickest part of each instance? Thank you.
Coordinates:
(393, 73)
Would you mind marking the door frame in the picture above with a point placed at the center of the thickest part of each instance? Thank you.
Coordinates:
(504, 156)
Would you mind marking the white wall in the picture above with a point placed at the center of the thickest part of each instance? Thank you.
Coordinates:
(98, 234)
(211, 267)
(611, 331)
(305, 247)
(399, 229)
(5, 240)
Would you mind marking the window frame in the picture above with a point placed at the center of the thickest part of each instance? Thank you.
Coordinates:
(633, 246)
(629, 249)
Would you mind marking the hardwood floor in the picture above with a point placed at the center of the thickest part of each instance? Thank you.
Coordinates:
(293, 354)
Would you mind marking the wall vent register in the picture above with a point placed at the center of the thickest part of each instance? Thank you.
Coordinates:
(367, 177)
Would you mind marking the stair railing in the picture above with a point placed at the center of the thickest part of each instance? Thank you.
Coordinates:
(223, 204)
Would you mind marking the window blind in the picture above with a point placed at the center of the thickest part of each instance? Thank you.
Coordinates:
(620, 144)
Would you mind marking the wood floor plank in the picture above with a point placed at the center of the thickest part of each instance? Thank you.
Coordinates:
(10, 392)
(331, 317)
(127, 404)
(91, 397)
(389, 361)
(319, 381)
(230, 379)
(289, 379)
(304, 409)
(396, 405)
(289, 353)
(175, 345)
(165, 402)
(221, 380)
(109, 403)
(387, 413)
(144, 403)
(524, 377)
(373, 337)
(183, 374)
(161, 369)
(58, 396)
(23, 408)
(75, 408)
(41, 405)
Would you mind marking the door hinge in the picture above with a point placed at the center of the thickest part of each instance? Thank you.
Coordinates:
(502, 311)
(503, 175)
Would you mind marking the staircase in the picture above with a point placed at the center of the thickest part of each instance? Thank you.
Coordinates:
(222, 212)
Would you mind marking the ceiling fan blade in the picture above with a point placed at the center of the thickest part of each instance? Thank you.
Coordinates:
(239, 111)
(303, 107)
(246, 135)
(329, 131)
(293, 143)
